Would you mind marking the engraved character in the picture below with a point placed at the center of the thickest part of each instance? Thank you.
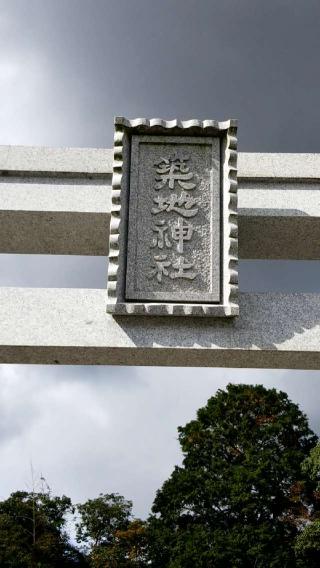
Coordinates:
(182, 204)
(171, 170)
(159, 267)
(181, 231)
(161, 238)
(182, 268)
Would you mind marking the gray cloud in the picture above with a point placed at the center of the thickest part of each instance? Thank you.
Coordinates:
(83, 62)
(113, 429)
(66, 68)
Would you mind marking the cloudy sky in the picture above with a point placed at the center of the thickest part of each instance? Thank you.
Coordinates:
(66, 68)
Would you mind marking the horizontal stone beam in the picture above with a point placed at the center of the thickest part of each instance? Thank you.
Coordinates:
(279, 219)
(38, 160)
(279, 201)
(278, 166)
(55, 215)
(71, 327)
(57, 201)
(98, 161)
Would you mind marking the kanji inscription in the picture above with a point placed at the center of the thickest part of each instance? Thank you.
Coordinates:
(183, 204)
(174, 216)
(173, 230)
(171, 170)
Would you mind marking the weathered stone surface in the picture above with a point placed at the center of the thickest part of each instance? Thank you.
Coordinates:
(173, 246)
(279, 166)
(71, 327)
(279, 218)
(278, 215)
(178, 224)
(34, 159)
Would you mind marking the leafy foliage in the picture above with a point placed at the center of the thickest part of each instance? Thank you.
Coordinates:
(311, 466)
(307, 546)
(132, 544)
(247, 495)
(111, 538)
(32, 532)
(240, 496)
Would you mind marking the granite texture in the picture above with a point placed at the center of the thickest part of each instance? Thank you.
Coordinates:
(279, 217)
(34, 159)
(176, 224)
(69, 326)
(48, 212)
(164, 266)
(281, 166)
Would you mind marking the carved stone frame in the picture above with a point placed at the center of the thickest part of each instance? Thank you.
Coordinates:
(124, 129)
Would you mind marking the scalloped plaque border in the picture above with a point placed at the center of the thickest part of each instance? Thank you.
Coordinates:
(124, 128)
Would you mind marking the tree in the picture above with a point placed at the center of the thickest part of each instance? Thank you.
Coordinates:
(32, 532)
(132, 544)
(100, 518)
(307, 546)
(238, 499)
(109, 535)
(311, 467)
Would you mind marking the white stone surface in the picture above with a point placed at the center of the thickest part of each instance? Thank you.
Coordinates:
(58, 201)
(85, 161)
(279, 202)
(71, 327)
(54, 201)
(75, 195)
(280, 166)
(215, 243)
(54, 215)
(99, 161)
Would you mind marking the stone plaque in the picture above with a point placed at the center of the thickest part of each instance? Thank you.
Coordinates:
(173, 234)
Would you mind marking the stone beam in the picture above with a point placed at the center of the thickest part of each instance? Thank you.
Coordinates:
(57, 201)
(71, 327)
(55, 215)
(39, 160)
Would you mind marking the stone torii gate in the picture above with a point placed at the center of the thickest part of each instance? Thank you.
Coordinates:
(58, 201)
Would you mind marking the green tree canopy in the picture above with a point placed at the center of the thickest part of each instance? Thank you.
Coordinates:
(111, 538)
(311, 467)
(100, 518)
(307, 545)
(240, 495)
(32, 532)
